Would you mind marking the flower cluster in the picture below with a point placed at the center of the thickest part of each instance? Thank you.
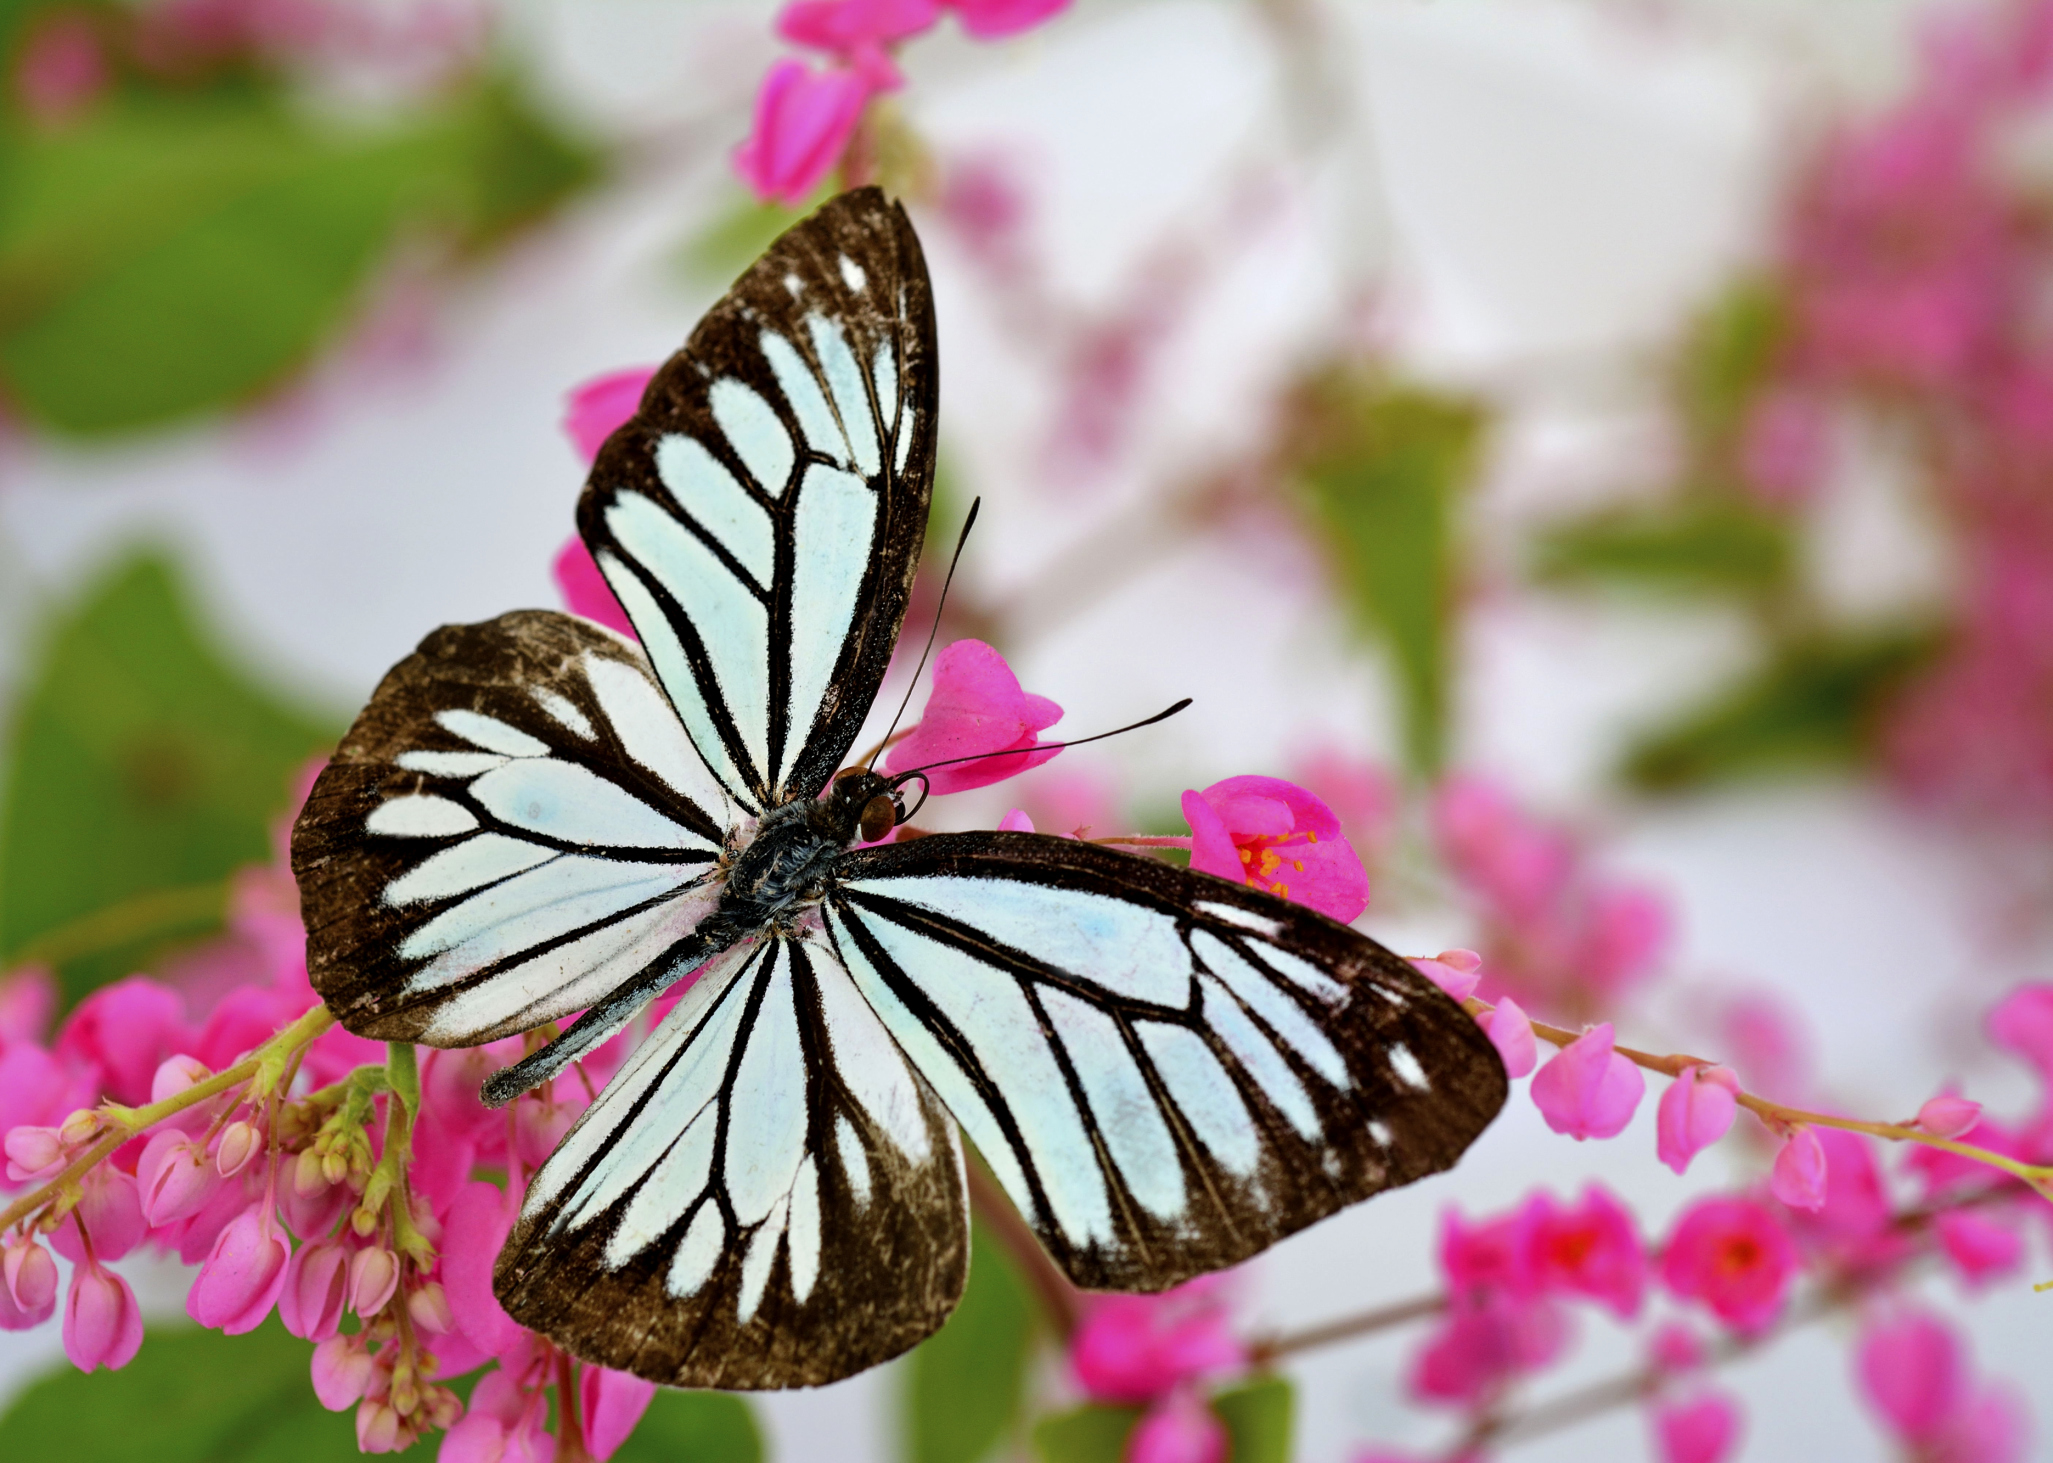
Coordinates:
(1159, 1351)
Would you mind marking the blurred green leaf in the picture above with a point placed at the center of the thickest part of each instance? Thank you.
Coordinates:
(1815, 705)
(171, 254)
(1259, 1418)
(190, 1396)
(1727, 356)
(141, 769)
(964, 1384)
(1093, 1433)
(733, 240)
(1701, 545)
(1383, 469)
(694, 1427)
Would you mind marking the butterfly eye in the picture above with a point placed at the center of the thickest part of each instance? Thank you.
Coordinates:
(880, 816)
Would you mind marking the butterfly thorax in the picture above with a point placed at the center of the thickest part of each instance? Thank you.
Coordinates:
(785, 868)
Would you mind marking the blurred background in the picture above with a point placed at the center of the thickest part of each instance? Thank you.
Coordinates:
(1641, 408)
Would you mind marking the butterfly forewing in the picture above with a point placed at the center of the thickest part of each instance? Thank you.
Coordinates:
(767, 1195)
(761, 517)
(514, 826)
(1167, 1072)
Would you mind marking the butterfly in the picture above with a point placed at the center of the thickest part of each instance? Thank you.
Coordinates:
(533, 817)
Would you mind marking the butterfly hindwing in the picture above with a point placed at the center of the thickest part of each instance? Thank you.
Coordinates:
(767, 1195)
(1167, 1072)
(514, 825)
(761, 516)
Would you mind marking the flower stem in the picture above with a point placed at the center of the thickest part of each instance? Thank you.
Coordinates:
(125, 1122)
(1265, 1350)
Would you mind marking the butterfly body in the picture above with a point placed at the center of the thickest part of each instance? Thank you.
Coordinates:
(535, 817)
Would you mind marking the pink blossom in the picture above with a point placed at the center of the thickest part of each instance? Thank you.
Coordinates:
(1949, 1116)
(429, 1307)
(110, 1210)
(1980, 1248)
(992, 20)
(1179, 1428)
(1695, 1112)
(37, 1089)
(1591, 1250)
(1855, 1219)
(585, 590)
(1588, 1090)
(1799, 1176)
(2023, 1023)
(28, 998)
(1482, 1345)
(243, 1275)
(35, 1153)
(1676, 1349)
(1454, 971)
(1993, 1426)
(239, 1143)
(1273, 835)
(1785, 447)
(1016, 821)
(1135, 1348)
(28, 1285)
(342, 1369)
(123, 1031)
(611, 1404)
(1511, 1031)
(373, 1277)
(1702, 1430)
(1484, 1258)
(173, 1177)
(102, 1325)
(804, 120)
(1364, 796)
(506, 1423)
(473, 1230)
(976, 707)
(597, 408)
(1731, 1256)
(316, 1282)
(847, 27)
(1913, 1373)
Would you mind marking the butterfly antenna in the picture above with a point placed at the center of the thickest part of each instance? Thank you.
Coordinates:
(1162, 715)
(932, 630)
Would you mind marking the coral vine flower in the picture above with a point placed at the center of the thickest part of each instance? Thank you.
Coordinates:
(1138, 1348)
(612, 1403)
(1592, 1249)
(102, 1324)
(243, 1275)
(1178, 1429)
(1704, 1430)
(1732, 1256)
(804, 120)
(1588, 1090)
(1913, 1373)
(846, 27)
(1511, 1031)
(992, 20)
(1275, 836)
(976, 707)
(1696, 1111)
(594, 412)
(1799, 1175)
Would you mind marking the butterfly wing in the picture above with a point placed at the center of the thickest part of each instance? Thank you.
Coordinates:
(766, 1195)
(761, 516)
(515, 825)
(1167, 1072)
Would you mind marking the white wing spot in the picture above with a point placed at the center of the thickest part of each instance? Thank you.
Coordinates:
(795, 285)
(564, 712)
(754, 432)
(852, 274)
(757, 1263)
(1246, 919)
(698, 1252)
(449, 764)
(1380, 1131)
(1407, 1067)
(906, 418)
(418, 815)
(855, 1162)
(491, 733)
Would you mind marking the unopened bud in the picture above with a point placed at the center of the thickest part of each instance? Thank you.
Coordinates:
(1948, 1116)
(377, 1427)
(406, 1396)
(373, 1276)
(442, 1406)
(364, 1222)
(308, 1178)
(34, 1149)
(334, 1168)
(429, 1307)
(239, 1144)
(80, 1128)
(175, 1074)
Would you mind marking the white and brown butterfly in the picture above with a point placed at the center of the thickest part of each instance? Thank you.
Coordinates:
(536, 817)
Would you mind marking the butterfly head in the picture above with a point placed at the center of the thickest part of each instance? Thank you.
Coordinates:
(866, 805)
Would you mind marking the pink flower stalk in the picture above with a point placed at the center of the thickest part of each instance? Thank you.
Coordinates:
(1273, 835)
(1799, 1176)
(102, 1325)
(1588, 1090)
(1695, 1112)
(1179, 1428)
(976, 708)
(804, 120)
(1913, 1373)
(1703, 1430)
(1136, 1348)
(1731, 1256)
(1949, 1116)
(1979, 1248)
(1454, 971)
(243, 1275)
(1511, 1031)
(610, 1404)
(1590, 1250)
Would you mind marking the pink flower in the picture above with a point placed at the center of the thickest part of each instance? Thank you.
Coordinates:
(1592, 1250)
(173, 1177)
(1482, 1345)
(1785, 447)
(316, 1281)
(28, 1285)
(600, 406)
(1991, 1427)
(1695, 1112)
(373, 1277)
(612, 1403)
(846, 27)
(1484, 1258)
(1949, 1116)
(61, 70)
(804, 120)
(992, 20)
(1364, 796)
(28, 998)
(110, 1210)
(1016, 821)
(1454, 971)
(1588, 1090)
(1980, 1248)
(1913, 1373)
(506, 1423)
(1511, 1031)
(1800, 1173)
(1675, 1349)
(1703, 1430)
(976, 707)
(243, 1275)
(1856, 1211)
(102, 1325)
(2023, 1023)
(1273, 835)
(1734, 1258)
(472, 1232)
(123, 1031)
(342, 1369)
(1135, 1348)
(1179, 1428)
(585, 590)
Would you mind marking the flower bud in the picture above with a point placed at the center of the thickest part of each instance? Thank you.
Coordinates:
(443, 1407)
(239, 1143)
(364, 1222)
(174, 1075)
(31, 1151)
(377, 1427)
(334, 1168)
(342, 1372)
(373, 1276)
(28, 1285)
(308, 1175)
(172, 1177)
(406, 1395)
(1949, 1116)
(80, 1128)
(429, 1307)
